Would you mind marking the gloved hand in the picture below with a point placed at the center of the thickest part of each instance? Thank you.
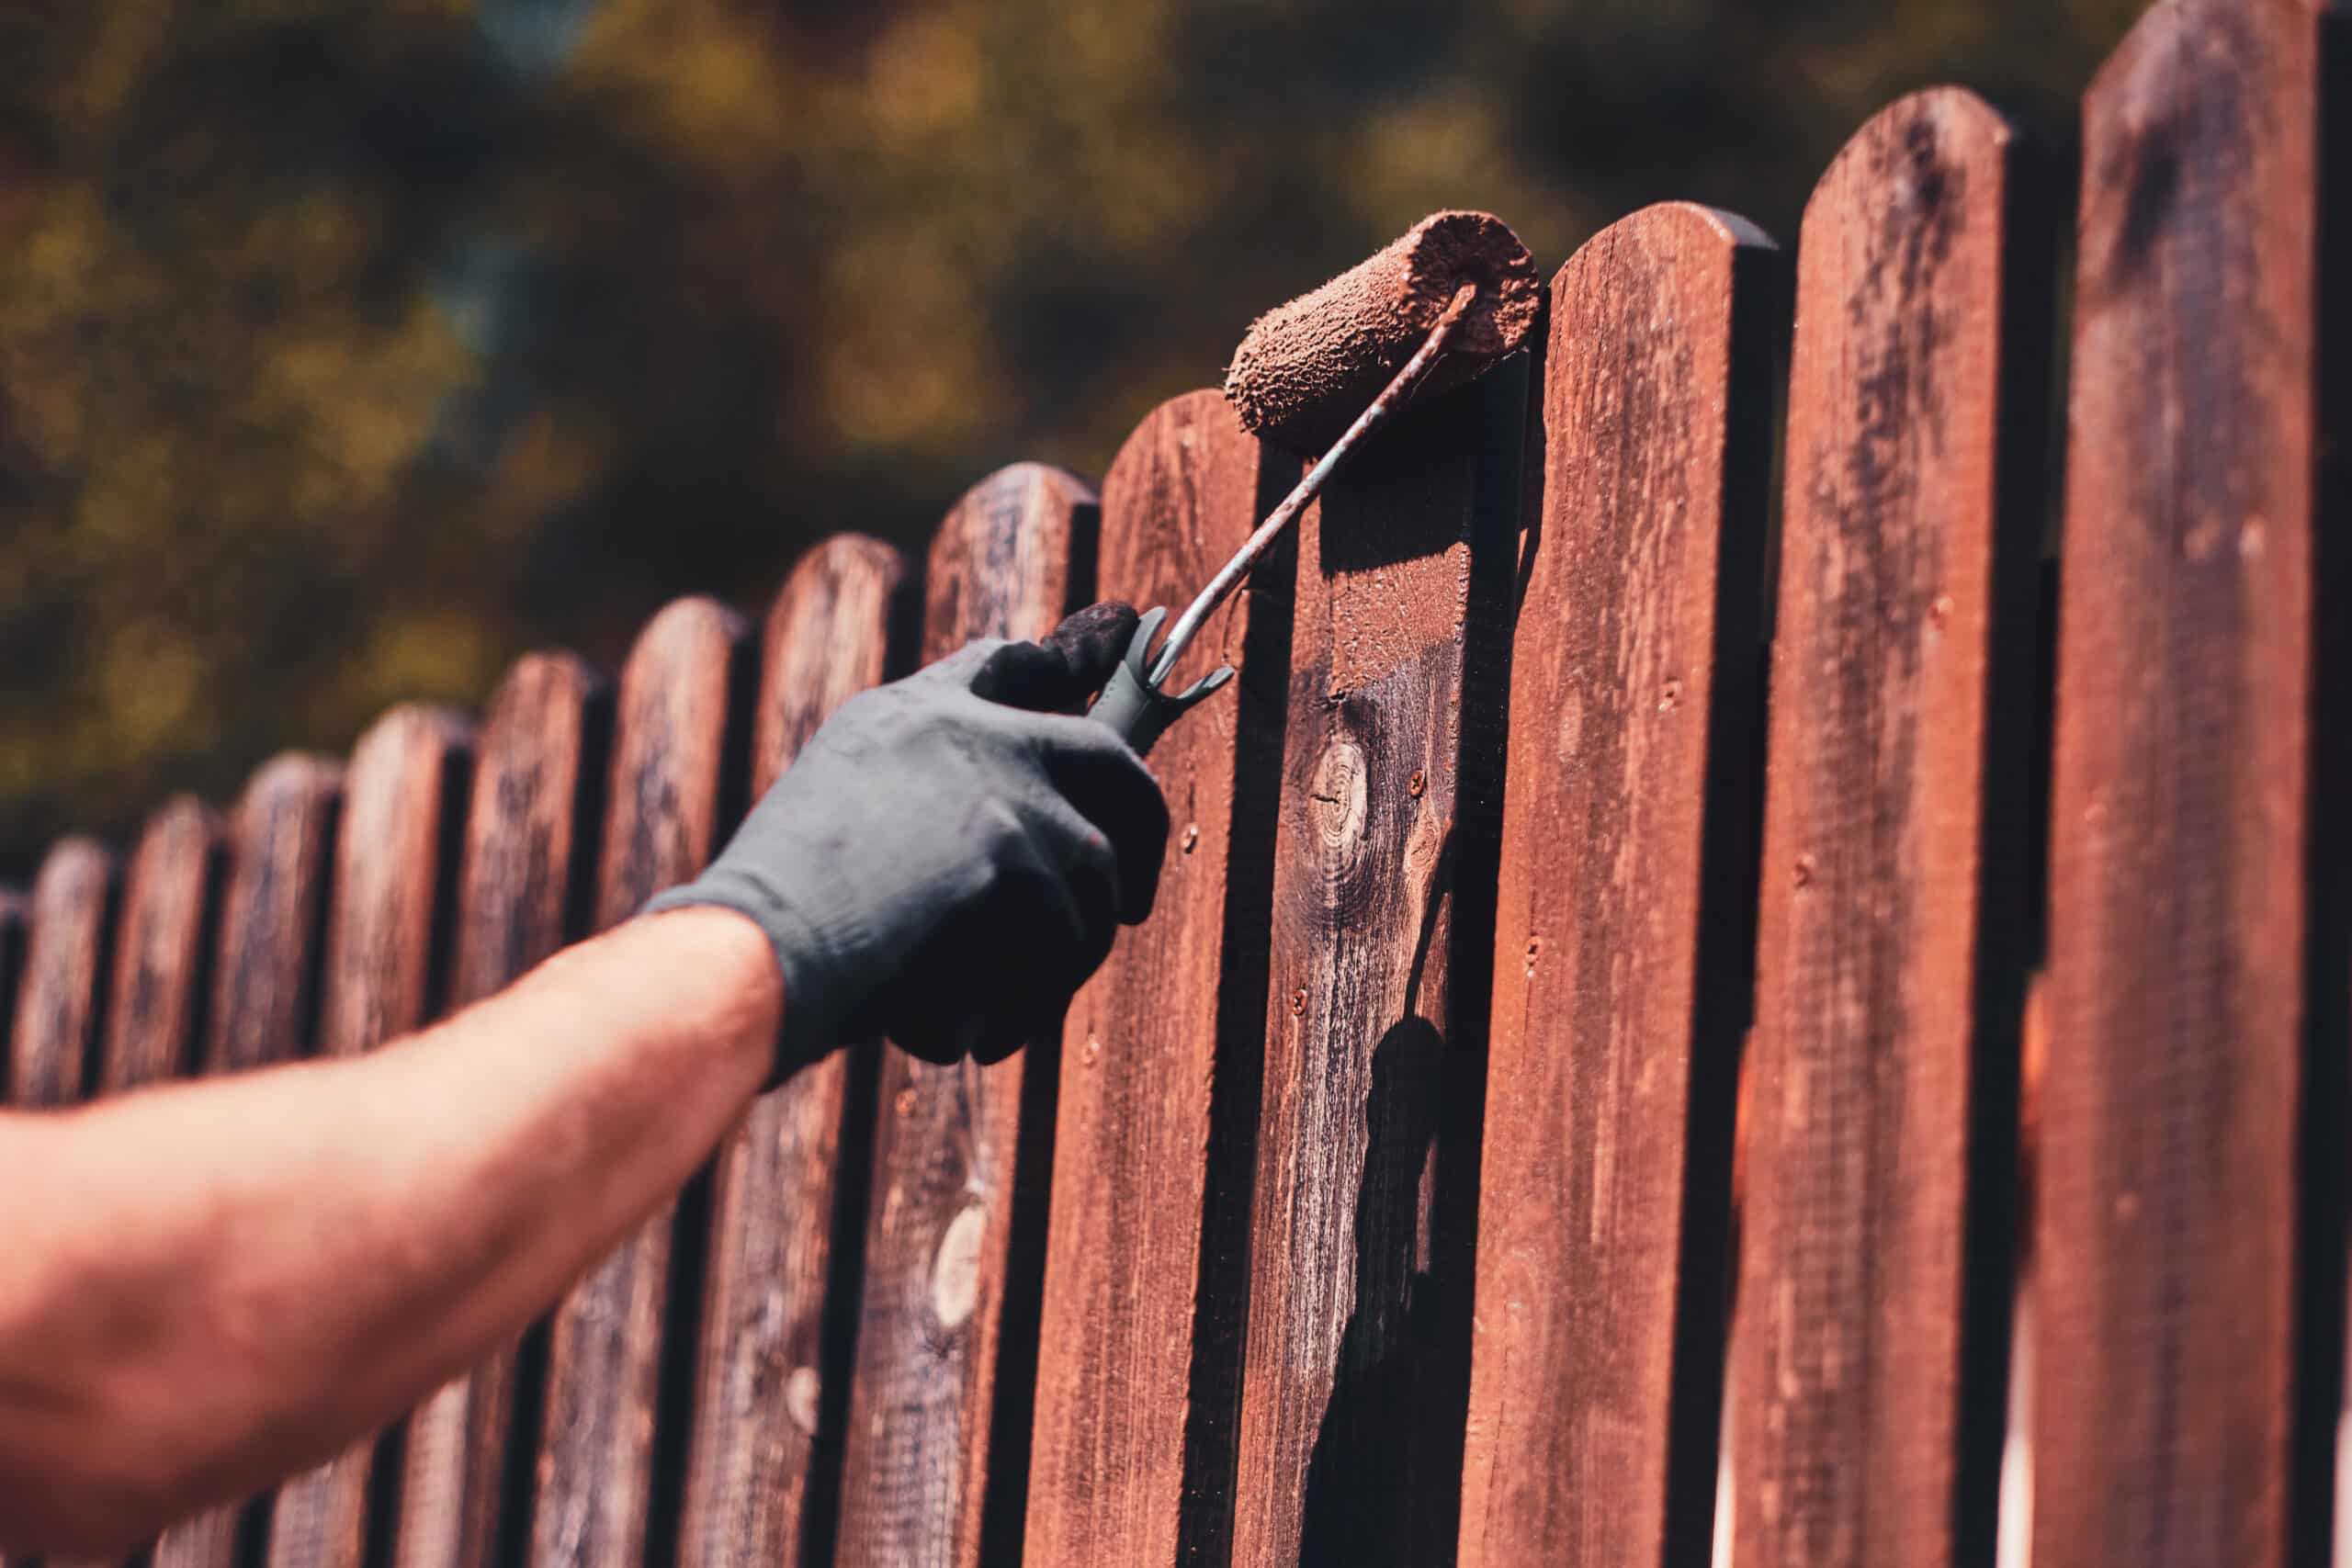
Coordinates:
(948, 857)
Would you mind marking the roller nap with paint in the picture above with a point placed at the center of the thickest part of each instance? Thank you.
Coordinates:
(1431, 311)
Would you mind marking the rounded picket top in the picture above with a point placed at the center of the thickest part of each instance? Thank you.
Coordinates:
(65, 962)
(281, 843)
(999, 562)
(1923, 148)
(169, 890)
(840, 623)
(1666, 230)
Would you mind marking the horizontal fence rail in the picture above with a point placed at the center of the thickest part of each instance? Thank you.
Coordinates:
(1688, 1019)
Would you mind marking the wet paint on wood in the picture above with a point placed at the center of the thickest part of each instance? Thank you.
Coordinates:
(2166, 1231)
(936, 1472)
(520, 897)
(263, 1008)
(1891, 891)
(1626, 913)
(674, 777)
(1140, 1341)
(405, 782)
(1357, 1362)
(771, 1393)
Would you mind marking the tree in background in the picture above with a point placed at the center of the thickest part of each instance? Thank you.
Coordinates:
(347, 349)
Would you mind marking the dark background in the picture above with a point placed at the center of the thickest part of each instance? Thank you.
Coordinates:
(350, 347)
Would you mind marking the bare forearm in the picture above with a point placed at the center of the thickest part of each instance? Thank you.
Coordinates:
(228, 1279)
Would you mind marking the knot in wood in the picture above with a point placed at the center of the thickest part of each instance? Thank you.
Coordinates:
(1339, 801)
(956, 1271)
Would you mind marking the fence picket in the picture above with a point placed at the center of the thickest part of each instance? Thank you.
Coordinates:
(405, 775)
(1893, 894)
(936, 1472)
(1141, 1330)
(1356, 1366)
(772, 1382)
(58, 995)
(280, 838)
(2182, 802)
(540, 744)
(167, 907)
(678, 718)
(1624, 928)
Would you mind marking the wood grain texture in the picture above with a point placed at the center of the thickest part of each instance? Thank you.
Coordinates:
(263, 1003)
(1149, 1047)
(1364, 1211)
(541, 736)
(770, 1377)
(596, 1465)
(167, 909)
(405, 772)
(1880, 881)
(59, 994)
(935, 1472)
(1625, 911)
(2166, 1228)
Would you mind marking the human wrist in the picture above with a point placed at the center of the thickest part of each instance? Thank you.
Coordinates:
(737, 971)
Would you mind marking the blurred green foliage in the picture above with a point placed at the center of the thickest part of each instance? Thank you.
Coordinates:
(349, 347)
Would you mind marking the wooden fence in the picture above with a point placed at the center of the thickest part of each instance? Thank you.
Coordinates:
(1674, 1028)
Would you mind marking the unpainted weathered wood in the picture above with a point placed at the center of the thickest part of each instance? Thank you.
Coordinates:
(2166, 1230)
(1890, 891)
(956, 1236)
(1625, 911)
(1139, 1343)
(261, 1009)
(167, 908)
(59, 993)
(376, 986)
(539, 739)
(676, 707)
(1357, 1358)
(771, 1379)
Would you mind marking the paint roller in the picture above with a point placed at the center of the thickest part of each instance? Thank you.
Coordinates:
(1430, 312)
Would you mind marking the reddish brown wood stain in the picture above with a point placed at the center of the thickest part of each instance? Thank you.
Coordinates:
(595, 1457)
(279, 841)
(377, 968)
(1845, 1384)
(513, 893)
(1141, 1048)
(2165, 1235)
(1632, 689)
(952, 1151)
(760, 1383)
(1348, 1450)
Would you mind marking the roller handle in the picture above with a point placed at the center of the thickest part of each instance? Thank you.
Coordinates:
(1137, 711)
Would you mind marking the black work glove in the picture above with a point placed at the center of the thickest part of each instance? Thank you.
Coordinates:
(950, 855)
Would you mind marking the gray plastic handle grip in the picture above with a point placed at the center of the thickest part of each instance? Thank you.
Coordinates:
(1130, 705)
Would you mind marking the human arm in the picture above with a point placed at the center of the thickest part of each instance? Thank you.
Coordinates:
(208, 1285)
